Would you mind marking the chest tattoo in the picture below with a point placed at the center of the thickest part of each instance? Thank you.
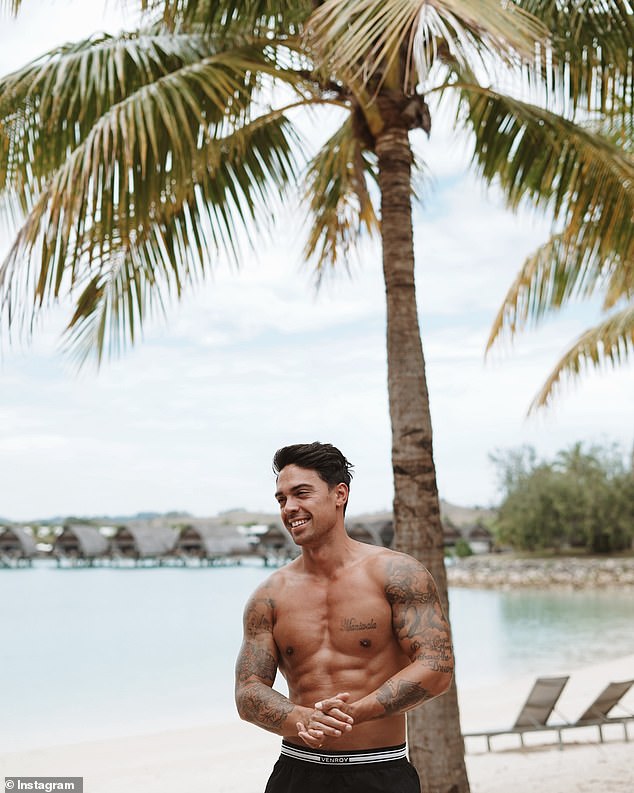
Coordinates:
(354, 624)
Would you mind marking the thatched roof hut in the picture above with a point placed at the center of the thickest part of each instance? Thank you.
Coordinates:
(143, 541)
(78, 541)
(16, 543)
(364, 533)
(480, 538)
(212, 540)
(450, 532)
(376, 528)
(276, 539)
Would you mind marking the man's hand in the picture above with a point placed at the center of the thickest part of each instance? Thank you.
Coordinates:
(327, 720)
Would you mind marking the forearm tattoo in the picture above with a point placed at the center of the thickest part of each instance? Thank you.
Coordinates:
(264, 707)
(399, 696)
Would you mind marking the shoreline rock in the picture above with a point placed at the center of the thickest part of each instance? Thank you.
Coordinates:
(501, 571)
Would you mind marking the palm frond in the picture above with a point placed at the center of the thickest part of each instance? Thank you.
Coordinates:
(609, 343)
(50, 106)
(588, 63)
(537, 157)
(557, 272)
(236, 178)
(619, 285)
(340, 205)
(10, 6)
(257, 16)
(145, 154)
(366, 38)
(619, 129)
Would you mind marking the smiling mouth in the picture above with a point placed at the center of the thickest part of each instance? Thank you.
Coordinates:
(295, 524)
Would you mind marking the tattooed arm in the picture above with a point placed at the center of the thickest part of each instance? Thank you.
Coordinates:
(422, 631)
(256, 668)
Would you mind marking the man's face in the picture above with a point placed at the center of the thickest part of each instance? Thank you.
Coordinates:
(309, 508)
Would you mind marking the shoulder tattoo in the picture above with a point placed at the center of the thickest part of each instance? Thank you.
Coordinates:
(258, 616)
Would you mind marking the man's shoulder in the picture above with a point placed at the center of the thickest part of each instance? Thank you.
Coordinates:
(395, 570)
(387, 559)
(276, 582)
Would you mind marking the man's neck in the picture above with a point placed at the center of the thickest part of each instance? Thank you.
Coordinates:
(331, 555)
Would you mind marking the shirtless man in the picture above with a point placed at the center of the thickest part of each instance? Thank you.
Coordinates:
(357, 631)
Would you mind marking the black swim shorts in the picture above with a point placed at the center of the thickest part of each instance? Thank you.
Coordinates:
(304, 770)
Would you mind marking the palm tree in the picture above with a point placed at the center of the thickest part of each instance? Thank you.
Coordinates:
(131, 162)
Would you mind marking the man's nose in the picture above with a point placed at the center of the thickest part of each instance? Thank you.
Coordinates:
(290, 505)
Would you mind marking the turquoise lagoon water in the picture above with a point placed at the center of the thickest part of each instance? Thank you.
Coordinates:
(102, 652)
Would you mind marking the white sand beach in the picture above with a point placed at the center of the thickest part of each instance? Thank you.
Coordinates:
(237, 757)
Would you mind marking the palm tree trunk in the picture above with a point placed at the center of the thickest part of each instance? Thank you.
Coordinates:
(436, 746)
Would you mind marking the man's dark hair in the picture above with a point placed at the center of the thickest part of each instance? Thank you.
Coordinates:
(324, 458)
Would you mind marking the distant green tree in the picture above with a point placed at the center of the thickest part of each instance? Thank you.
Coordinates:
(597, 482)
(581, 499)
(530, 516)
(463, 548)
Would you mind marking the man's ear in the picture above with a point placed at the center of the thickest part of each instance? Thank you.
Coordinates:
(342, 493)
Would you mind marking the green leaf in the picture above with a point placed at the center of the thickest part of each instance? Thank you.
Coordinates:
(364, 39)
(609, 343)
(580, 176)
(118, 291)
(338, 197)
(588, 63)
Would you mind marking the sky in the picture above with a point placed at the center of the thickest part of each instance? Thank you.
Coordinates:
(256, 358)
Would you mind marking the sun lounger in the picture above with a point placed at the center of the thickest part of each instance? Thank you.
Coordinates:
(597, 713)
(535, 713)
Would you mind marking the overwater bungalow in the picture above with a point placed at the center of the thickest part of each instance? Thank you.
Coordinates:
(364, 533)
(80, 544)
(17, 546)
(450, 533)
(214, 542)
(144, 543)
(480, 538)
(375, 528)
(276, 544)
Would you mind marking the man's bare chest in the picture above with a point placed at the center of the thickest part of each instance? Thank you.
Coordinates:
(350, 617)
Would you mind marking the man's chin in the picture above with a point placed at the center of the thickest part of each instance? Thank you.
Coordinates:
(300, 538)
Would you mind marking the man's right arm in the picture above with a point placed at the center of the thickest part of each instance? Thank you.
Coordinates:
(256, 668)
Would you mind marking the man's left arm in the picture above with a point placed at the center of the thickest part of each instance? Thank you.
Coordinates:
(422, 631)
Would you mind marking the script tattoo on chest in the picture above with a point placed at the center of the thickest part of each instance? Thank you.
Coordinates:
(354, 624)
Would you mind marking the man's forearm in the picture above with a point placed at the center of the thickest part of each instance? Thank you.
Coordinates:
(262, 705)
(406, 690)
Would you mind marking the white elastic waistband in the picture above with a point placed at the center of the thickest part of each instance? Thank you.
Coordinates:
(353, 757)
